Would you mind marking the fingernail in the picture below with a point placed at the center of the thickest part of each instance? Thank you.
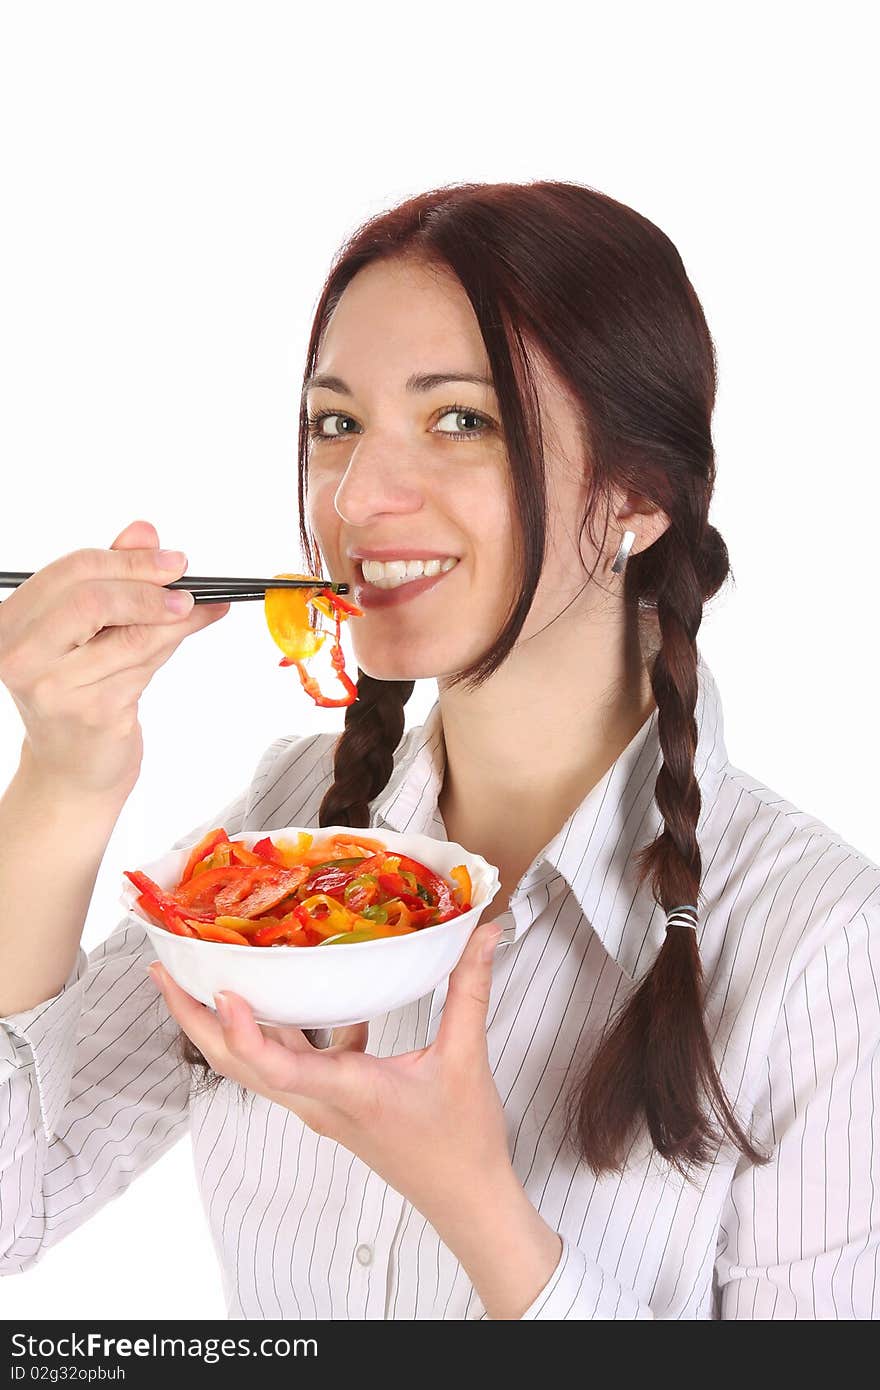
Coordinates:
(221, 1004)
(171, 560)
(179, 600)
(153, 968)
(489, 943)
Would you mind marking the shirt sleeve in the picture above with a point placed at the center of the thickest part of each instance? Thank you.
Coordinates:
(579, 1289)
(92, 1089)
(800, 1234)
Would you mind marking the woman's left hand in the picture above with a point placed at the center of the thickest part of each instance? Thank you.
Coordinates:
(430, 1122)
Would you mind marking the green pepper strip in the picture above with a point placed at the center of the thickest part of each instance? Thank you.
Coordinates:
(377, 912)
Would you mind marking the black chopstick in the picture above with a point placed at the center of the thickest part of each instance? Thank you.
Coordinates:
(211, 588)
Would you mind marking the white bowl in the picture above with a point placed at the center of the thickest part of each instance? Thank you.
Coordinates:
(322, 986)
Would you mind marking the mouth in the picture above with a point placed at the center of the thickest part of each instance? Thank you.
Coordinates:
(370, 596)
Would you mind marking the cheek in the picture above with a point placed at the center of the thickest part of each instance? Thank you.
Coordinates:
(321, 515)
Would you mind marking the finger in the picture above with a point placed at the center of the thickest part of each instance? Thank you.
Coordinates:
(137, 535)
(196, 1019)
(463, 1024)
(72, 590)
(311, 1072)
(290, 1037)
(134, 652)
(74, 611)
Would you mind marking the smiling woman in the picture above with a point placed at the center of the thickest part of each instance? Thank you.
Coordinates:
(466, 288)
(521, 377)
(656, 1099)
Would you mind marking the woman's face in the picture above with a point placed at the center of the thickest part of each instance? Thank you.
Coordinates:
(424, 469)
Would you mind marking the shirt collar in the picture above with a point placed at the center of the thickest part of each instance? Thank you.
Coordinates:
(592, 854)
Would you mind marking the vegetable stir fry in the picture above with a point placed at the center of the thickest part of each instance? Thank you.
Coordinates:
(288, 618)
(333, 890)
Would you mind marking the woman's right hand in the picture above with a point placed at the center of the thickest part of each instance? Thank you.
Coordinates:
(79, 642)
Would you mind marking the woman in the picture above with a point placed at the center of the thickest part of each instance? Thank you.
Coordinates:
(654, 1098)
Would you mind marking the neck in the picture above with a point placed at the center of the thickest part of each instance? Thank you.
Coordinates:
(524, 750)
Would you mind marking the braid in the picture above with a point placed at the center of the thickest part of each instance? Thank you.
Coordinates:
(363, 761)
(656, 1059)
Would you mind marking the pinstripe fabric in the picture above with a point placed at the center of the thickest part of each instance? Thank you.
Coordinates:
(90, 1094)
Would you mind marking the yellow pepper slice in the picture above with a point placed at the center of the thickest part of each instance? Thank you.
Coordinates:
(287, 616)
(463, 886)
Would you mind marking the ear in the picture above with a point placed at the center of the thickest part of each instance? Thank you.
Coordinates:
(630, 511)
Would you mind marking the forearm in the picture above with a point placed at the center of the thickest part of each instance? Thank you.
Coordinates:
(51, 848)
(505, 1246)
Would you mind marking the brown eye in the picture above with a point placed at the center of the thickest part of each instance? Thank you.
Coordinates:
(467, 423)
(317, 422)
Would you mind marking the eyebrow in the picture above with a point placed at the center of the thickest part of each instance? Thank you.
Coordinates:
(425, 381)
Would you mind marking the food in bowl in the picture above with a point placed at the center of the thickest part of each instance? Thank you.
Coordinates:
(314, 891)
(289, 622)
(316, 988)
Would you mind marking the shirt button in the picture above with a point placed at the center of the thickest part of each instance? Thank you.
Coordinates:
(364, 1254)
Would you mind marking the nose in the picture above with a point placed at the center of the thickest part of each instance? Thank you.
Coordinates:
(379, 479)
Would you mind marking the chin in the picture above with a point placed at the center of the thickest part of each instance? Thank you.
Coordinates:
(398, 665)
(396, 670)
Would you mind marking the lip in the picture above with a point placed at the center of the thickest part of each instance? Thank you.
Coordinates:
(397, 554)
(370, 596)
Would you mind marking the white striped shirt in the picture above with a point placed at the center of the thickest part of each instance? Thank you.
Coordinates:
(91, 1093)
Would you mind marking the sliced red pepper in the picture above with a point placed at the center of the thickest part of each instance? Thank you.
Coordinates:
(333, 882)
(269, 851)
(287, 929)
(163, 917)
(202, 850)
(165, 900)
(397, 888)
(338, 601)
(209, 931)
(240, 854)
(203, 890)
(337, 657)
(436, 886)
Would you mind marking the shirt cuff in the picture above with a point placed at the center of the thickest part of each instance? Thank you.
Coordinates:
(45, 1037)
(579, 1289)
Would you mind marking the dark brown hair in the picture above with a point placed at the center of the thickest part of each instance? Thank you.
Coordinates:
(604, 295)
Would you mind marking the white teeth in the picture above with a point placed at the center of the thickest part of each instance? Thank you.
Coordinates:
(388, 574)
(421, 567)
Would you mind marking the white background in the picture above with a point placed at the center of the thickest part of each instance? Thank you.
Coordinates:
(175, 179)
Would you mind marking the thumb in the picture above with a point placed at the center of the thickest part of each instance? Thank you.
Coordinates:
(467, 997)
(138, 535)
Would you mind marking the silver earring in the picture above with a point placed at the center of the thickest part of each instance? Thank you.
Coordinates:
(620, 558)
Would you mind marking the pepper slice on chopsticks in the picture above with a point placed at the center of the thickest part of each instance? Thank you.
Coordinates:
(287, 617)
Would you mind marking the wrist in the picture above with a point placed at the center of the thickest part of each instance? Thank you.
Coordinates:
(504, 1245)
(57, 794)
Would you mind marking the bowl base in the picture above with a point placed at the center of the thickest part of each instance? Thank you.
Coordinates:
(285, 1023)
